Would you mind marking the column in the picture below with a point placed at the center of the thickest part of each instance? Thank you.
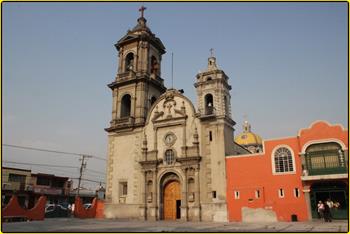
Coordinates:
(154, 207)
(155, 138)
(306, 190)
(184, 203)
(197, 206)
(143, 207)
(196, 190)
(184, 153)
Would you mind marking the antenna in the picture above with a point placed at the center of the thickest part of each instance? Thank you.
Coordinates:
(172, 70)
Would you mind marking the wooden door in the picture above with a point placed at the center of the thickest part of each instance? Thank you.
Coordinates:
(172, 194)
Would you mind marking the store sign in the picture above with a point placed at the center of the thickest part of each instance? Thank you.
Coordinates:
(49, 191)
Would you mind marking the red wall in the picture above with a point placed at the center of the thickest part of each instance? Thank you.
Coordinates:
(250, 172)
(81, 212)
(247, 174)
(321, 130)
(14, 209)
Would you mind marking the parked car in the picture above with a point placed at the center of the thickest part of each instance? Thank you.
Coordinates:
(87, 205)
(56, 210)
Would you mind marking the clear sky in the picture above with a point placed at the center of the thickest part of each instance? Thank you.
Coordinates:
(287, 64)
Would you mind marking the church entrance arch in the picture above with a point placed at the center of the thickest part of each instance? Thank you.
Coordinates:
(170, 188)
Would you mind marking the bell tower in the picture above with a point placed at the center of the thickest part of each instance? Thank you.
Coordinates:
(214, 113)
(213, 92)
(138, 82)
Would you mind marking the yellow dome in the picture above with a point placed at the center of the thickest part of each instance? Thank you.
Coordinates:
(248, 138)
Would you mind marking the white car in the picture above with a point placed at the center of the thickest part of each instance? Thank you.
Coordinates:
(87, 205)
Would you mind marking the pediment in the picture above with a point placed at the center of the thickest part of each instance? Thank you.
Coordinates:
(127, 38)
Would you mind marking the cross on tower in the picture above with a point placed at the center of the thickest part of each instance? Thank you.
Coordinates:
(142, 9)
(245, 116)
(211, 52)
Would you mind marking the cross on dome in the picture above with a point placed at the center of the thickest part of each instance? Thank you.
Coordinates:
(142, 9)
(211, 52)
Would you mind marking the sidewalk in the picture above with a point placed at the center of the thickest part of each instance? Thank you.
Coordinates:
(112, 225)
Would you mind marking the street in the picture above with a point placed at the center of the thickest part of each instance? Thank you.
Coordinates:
(112, 225)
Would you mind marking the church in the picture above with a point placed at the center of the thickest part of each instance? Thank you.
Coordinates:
(166, 157)
(169, 159)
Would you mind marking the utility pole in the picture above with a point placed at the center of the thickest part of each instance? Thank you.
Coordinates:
(82, 167)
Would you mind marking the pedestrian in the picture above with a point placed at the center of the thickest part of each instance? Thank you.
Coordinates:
(320, 209)
(336, 205)
(330, 203)
(327, 213)
(73, 208)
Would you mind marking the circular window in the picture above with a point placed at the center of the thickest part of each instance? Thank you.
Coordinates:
(169, 139)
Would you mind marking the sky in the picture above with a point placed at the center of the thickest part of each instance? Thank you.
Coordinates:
(287, 63)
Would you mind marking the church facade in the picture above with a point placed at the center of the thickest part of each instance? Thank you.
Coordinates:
(166, 157)
(169, 159)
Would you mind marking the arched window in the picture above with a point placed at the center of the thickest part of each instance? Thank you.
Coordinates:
(169, 157)
(125, 106)
(283, 160)
(209, 105)
(129, 62)
(153, 100)
(154, 66)
(325, 158)
(209, 78)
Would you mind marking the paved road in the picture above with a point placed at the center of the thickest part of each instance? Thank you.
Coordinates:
(111, 225)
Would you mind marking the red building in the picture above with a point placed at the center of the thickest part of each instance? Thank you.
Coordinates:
(290, 176)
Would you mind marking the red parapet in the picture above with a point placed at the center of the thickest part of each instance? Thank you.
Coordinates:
(38, 211)
(13, 209)
(81, 212)
(100, 209)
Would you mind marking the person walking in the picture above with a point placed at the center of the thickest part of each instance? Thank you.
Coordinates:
(327, 213)
(320, 209)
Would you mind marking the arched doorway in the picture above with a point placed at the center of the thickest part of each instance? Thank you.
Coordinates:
(170, 196)
(172, 200)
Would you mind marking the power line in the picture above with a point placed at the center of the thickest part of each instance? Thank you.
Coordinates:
(102, 173)
(89, 180)
(51, 151)
(48, 170)
(38, 164)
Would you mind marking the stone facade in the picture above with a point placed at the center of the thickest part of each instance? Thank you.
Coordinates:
(158, 137)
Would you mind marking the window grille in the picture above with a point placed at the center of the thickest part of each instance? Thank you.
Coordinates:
(283, 160)
(169, 157)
